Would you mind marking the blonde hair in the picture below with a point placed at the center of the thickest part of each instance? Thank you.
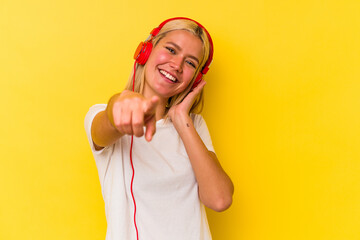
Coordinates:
(178, 24)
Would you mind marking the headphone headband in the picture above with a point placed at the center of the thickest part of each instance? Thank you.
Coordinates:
(156, 31)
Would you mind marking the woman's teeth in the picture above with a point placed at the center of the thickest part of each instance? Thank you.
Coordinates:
(168, 76)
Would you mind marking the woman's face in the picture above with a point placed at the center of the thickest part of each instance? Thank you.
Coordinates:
(172, 64)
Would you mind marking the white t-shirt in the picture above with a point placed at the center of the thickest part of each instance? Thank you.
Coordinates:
(165, 188)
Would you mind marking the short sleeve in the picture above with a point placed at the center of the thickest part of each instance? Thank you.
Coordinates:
(203, 131)
(93, 111)
(102, 157)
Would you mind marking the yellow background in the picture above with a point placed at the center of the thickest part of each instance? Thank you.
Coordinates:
(282, 105)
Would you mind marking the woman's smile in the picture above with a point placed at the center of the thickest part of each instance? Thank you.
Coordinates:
(168, 76)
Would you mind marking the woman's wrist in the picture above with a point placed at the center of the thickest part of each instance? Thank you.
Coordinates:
(182, 121)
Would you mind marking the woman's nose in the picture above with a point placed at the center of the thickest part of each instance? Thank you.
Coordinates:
(177, 63)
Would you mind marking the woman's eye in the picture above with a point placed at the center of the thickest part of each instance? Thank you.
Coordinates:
(191, 64)
(170, 49)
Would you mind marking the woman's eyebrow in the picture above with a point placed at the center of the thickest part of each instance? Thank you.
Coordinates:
(179, 48)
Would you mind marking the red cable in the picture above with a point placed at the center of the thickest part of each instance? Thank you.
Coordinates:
(134, 76)
(131, 186)
(133, 170)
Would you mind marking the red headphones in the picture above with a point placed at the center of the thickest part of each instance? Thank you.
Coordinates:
(143, 51)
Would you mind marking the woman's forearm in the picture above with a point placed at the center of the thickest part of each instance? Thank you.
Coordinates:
(215, 186)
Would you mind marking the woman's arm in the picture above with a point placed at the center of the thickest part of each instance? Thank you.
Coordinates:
(215, 187)
(126, 113)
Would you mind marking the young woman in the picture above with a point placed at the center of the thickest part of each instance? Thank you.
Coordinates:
(155, 185)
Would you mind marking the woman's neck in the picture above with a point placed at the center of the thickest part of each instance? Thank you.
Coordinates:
(160, 109)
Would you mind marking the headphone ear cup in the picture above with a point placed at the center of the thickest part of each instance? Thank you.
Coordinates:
(197, 80)
(142, 52)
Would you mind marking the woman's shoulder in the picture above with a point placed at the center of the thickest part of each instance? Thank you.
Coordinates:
(197, 119)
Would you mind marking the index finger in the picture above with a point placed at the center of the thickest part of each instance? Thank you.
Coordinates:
(150, 105)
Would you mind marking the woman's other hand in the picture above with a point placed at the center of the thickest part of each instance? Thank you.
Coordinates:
(182, 109)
